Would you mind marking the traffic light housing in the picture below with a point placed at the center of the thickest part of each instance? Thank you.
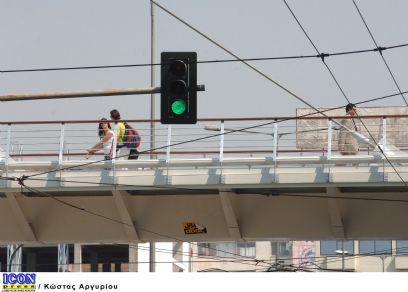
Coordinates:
(178, 88)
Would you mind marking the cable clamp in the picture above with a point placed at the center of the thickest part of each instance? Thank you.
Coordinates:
(322, 56)
(380, 49)
(258, 261)
(21, 180)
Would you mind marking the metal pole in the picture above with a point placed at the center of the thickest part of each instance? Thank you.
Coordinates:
(275, 141)
(8, 146)
(152, 257)
(384, 133)
(383, 257)
(61, 145)
(152, 247)
(329, 140)
(74, 94)
(152, 81)
(222, 141)
(168, 144)
(342, 255)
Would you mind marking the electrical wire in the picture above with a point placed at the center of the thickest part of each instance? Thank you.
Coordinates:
(230, 131)
(319, 55)
(339, 258)
(215, 259)
(267, 194)
(314, 46)
(129, 225)
(237, 60)
(333, 197)
(188, 141)
(343, 93)
(380, 49)
(124, 223)
(275, 82)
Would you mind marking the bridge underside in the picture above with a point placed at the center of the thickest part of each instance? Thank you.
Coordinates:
(142, 204)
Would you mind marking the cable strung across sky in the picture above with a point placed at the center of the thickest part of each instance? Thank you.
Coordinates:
(321, 56)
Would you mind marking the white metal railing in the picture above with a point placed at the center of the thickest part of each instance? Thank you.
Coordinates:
(218, 139)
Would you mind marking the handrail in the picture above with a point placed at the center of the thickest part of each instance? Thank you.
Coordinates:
(177, 152)
(318, 137)
(207, 119)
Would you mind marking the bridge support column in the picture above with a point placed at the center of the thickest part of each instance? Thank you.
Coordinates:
(336, 220)
(227, 199)
(133, 258)
(77, 257)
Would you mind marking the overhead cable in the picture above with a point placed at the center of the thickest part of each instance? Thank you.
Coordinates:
(319, 56)
(380, 50)
(344, 94)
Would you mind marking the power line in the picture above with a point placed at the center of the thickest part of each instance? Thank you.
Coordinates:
(170, 237)
(319, 55)
(380, 49)
(227, 132)
(217, 257)
(247, 64)
(268, 194)
(375, 253)
(343, 93)
(316, 49)
(126, 224)
(333, 197)
(216, 135)
(214, 259)
(272, 80)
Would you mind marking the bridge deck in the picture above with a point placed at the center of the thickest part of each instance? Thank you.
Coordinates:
(238, 199)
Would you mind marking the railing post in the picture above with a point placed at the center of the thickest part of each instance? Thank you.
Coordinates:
(8, 145)
(20, 151)
(115, 143)
(222, 132)
(275, 140)
(61, 144)
(384, 133)
(329, 139)
(168, 143)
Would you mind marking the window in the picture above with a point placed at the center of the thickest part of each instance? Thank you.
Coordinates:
(246, 249)
(402, 247)
(227, 249)
(375, 247)
(329, 247)
(281, 248)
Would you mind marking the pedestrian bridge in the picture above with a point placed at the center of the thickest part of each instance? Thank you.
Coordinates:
(231, 178)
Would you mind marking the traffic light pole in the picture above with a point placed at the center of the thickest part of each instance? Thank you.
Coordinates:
(76, 94)
(152, 247)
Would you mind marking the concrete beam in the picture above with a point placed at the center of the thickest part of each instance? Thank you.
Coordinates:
(120, 198)
(20, 218)
(232, 223)
(336, 220)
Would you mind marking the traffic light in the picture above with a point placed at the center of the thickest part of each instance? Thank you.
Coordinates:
(178, 88)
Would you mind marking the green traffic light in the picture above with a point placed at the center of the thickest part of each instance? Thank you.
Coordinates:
(178, 106)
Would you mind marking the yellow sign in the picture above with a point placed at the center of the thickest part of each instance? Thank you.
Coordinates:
(193, 228)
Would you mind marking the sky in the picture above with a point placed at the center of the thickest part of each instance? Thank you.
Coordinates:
(49, 34)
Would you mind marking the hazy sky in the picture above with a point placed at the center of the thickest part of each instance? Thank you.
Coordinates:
(50, 33)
